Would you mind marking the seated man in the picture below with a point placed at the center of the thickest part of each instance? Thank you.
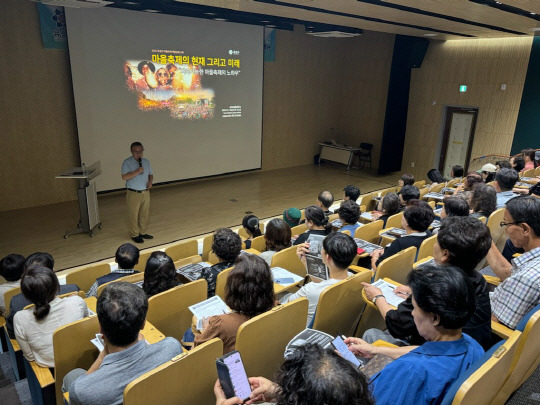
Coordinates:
(351, 193)
(121, 312)
(505, 180)
(127, 257)
(519, 291)
(408, 193)
(18, 302)
(406, 180)
(325, 199)
(462, 242)
(338, 252)
(11, 268)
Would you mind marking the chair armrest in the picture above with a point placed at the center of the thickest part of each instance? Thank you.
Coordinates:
(492, 280)
(43, 374)
(382, 343)
(500, 330)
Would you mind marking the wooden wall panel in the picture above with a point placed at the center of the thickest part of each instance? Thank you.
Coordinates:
(483, 65)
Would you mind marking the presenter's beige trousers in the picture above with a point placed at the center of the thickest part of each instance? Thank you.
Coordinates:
(138, 207)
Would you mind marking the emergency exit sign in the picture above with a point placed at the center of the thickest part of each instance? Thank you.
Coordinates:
(462, 88)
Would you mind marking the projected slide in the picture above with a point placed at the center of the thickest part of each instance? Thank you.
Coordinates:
(189, 89)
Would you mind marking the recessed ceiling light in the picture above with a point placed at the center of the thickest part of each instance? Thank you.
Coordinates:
(430, 35)
(265, 21)
(271, 26)
(149, 10)
(533, 13)
(210, 13)
(130, 2)
(219, 19)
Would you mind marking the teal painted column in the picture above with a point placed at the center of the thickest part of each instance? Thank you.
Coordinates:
(527, 133)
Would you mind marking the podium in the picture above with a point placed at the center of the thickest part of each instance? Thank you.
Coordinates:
(87, 195)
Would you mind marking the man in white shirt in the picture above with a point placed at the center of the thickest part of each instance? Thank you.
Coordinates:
(338, 252)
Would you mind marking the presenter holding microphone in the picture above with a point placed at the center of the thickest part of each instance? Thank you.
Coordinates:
(137, 173)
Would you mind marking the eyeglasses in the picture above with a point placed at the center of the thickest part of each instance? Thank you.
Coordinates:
(510, 223)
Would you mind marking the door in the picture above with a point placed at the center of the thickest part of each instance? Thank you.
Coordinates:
(457, 138)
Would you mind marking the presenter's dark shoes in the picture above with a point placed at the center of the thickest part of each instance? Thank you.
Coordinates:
(138, 239)
(146, 236)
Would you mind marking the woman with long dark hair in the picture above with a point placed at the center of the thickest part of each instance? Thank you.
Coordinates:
(317, 223)
(159, 274)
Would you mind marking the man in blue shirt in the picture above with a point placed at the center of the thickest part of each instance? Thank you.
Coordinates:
(505, 180)
(138, 174)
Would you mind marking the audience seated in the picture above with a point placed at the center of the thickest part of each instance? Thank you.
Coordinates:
(351, 193)
(488, 172)
(325, 199)
(121, 312)
(317, 223)
(292, 216)
(483, 200)
(159, 274)
(227, 245)
(11, 268)
(406, 180)
(519, 291)
(435, 177)
(127, 257)
(407, 194)
(277, 237)
(465, 189)
(518, 163)
(454, 207)
(338, 252)
(310, 375)
(505, 180)
(251, 224)
(456, 172)
(19, 301)
(528, 158)
(34, 327)
(416, 220)
(349, 214)
(388, 205)
(444, 301)
(249, 292)
(461, 242)
(503, 164)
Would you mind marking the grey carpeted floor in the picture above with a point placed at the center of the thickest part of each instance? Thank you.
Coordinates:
(12, 392)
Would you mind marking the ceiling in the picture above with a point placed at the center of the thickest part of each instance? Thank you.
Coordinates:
(436, 19)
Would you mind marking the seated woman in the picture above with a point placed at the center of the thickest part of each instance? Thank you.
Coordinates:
(227, 245)
(388, 206)
(249, 292)
(406, 179)
(518, 163)
(456, 172)
(443, 300)
(483, 200)
(435, 177)
(317, 223)
(349, 214)
(277, 237)
(159, 274)
(251, 224)
(321, 375)
(454, 207)
(416, 220)
(528, 158)
(466, 188)
(488, 172)
(34, 327)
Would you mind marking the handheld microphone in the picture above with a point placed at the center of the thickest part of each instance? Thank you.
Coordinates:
(140, 163)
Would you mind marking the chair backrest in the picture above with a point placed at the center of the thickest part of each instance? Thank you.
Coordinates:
(259, 243)
(394, 221)
(143, 258)
(262, 339)
(453, 182)
(437, 188)
(187, 379)
(72, 349)
(426, 248)
(420, 184)
(86, 276)
(212, 258)
(168, 311)
(182, 250)
(398, 266)
(537, 171)
(527, 357)
(187, 260)
(362, 209)
(221, 281)
(432, 204)
(423, 192)
(288, 260)
(132, 278)
(370, 232)
(207, 246)
(333, 217)
(388, 190)
(9, 294)
(528, 173)
(481, 383)
(493, 223)
(367, 200)
(346, 232)
(340, 305)
(298, 229)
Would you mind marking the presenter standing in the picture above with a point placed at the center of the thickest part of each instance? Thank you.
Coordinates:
(137, 173)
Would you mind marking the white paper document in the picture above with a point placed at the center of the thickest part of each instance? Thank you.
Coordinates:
(281, 276)
(388, 292)
(207, 308)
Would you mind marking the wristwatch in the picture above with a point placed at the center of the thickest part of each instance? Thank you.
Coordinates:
(375, 298)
